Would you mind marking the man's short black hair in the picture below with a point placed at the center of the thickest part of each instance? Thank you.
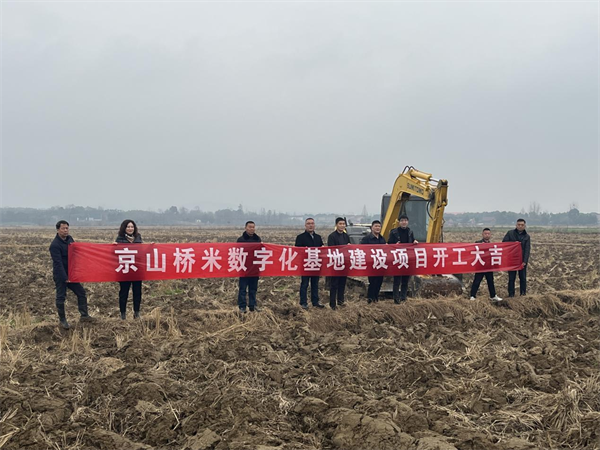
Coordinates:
(61, 222)
(309, 218)
(375, 221)
(486, 229)
(248, 223)
(521, 220)
(340, 219)
(403, 216)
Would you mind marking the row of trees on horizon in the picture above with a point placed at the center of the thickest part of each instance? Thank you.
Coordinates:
(173, 216)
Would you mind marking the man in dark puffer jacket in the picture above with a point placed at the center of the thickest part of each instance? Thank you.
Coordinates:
(519, 235)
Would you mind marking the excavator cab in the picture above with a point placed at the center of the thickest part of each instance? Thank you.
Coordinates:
(416, 210)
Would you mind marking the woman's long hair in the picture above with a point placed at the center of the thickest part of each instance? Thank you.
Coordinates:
(124, 226)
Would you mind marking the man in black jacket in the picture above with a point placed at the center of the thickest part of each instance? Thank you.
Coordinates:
(486, 235)
(337, 285)
(519, 235)
(309, 239)
(249, 284)
(401, 235)
(59, 251)
(374, 238)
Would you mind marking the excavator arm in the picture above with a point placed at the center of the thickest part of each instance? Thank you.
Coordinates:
(421, 184)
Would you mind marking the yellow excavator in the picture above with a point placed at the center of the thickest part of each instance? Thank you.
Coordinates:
(423, 199)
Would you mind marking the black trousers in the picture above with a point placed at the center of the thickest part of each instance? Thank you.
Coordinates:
(489, 277)
(512, 276)
(401, 283)
(374, 288)
(61, 295)
(314, 290)
(337, 288)
(124, 293)
(250, 285)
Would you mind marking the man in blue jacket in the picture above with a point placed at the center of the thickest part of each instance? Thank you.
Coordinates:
(519, 235)
(59, 251)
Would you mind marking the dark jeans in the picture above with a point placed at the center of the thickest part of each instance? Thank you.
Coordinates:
(61, 295)
(249, 284)
(337, 287)
(314, 290)
(489, 277)
(512, 276)
(124, 293)
(374, 287)
(401, 283)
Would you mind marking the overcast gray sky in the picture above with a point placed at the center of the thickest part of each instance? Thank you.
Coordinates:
(298, 107)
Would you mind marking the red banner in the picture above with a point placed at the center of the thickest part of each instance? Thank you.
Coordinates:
(130, 262)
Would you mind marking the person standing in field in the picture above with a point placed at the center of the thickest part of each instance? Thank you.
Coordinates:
(374, 238)
(337, 285)
(309, 239)
(129, 234)
(486, 235)
(59, 251)
(519, 234)
(248, 285)
(401, 235)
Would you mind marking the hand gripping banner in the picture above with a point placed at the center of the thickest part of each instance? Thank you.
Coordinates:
(130, 262)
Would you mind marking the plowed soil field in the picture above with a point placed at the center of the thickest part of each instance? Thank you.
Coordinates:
(443, 373)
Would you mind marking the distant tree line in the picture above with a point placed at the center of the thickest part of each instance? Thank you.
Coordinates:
(87, 216)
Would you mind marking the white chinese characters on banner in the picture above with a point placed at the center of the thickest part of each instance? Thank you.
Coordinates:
(358, 259)
(184, 260)
(459, 261)
(237, 259)
(312, 261)
(262, 258)
(496, 254)
(287, 258)
(440, 255)
(158, 266)
(126, 260)
(400, 258)
(336, 259)
(477, 254)
(212, 258)
(379, 258)
(420, 257)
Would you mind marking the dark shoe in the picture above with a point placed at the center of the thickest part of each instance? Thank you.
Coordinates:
(333, 308)
(136, 315)
(123, 316)
(243, 310)
(64, 324)
(255, 309)
(318, 305)
(375, 300)
(305, 307)
(369, 301)
(397, 301)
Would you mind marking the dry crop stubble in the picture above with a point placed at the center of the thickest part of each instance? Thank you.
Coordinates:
(445, 373)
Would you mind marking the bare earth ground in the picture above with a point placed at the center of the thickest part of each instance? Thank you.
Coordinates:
(430, 374)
